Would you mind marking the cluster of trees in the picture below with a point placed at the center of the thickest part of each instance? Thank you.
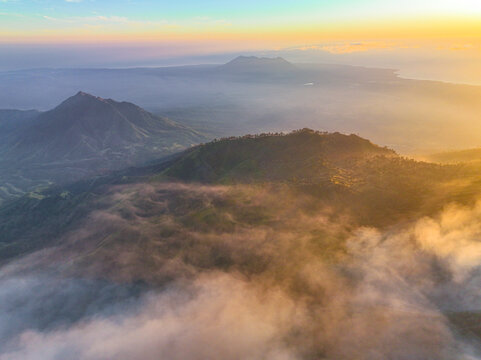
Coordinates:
(272, 134)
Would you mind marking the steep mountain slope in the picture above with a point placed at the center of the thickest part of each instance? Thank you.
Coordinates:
(88, 127)
(81, 137)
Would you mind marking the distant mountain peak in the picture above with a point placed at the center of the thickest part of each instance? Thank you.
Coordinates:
(84, 95)
(257, 60)
(258, 64)
(81, 98)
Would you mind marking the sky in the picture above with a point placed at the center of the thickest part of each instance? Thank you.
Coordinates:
(142, 32)
(271, 22)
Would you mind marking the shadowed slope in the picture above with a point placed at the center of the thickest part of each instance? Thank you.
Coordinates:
(85, 127)
(84, 136)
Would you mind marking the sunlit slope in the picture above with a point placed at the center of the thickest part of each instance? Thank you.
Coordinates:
(305, 157)
(347, 174)
(325, 164)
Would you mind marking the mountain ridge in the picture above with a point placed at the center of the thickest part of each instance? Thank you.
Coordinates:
(83, 126)
(275, 156)
(345, 173)
(85, 135)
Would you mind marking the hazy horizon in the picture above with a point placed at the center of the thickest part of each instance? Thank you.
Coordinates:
(245, 180)
(426, 63)
(438, 40)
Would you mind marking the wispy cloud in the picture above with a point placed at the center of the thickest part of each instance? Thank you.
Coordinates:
(105, 20)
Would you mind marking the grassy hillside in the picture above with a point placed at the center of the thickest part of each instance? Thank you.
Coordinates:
(352, 177)
(348, 243)
(349, 170)
(304, 156)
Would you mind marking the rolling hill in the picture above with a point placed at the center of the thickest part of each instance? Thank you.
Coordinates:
(304, 156)
(371, 184)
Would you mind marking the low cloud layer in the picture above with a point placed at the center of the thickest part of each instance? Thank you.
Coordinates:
(188, 272)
